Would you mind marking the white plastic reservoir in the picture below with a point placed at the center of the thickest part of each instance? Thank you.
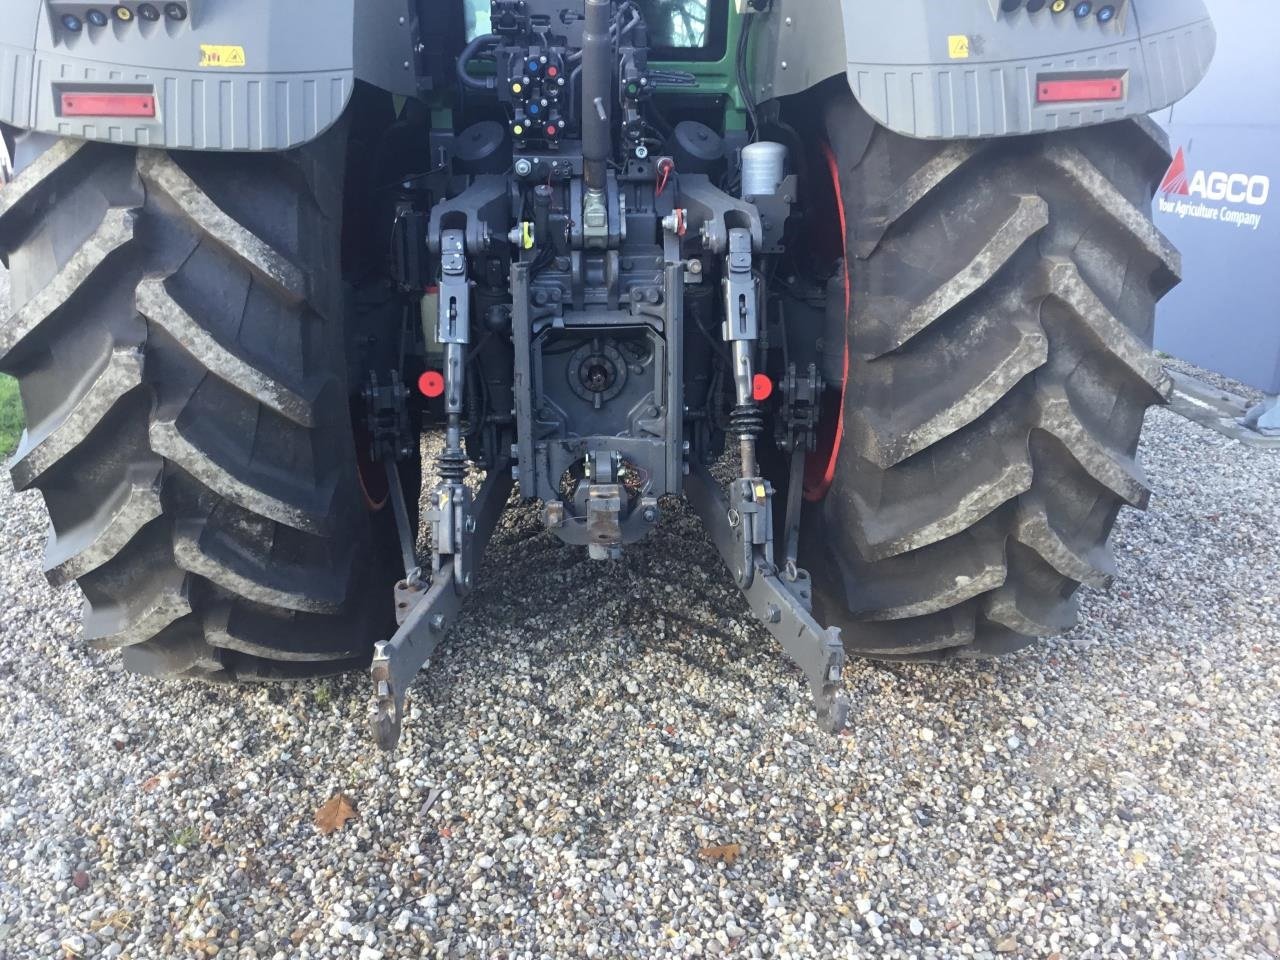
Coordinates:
(764, 165)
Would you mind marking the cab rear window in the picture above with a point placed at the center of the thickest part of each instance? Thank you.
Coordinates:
(678, 29)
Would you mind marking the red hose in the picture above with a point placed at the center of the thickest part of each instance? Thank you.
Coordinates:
(820, 466)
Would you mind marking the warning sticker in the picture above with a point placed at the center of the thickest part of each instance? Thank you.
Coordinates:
(221, 55)
(958, 46)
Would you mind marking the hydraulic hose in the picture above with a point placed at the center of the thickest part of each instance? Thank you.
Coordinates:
(469, 51)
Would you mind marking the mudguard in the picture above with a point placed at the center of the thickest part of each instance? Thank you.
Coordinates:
(944, 69)
(212, 74)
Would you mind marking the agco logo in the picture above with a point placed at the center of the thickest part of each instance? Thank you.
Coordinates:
(1232, 187)
(1213, 186)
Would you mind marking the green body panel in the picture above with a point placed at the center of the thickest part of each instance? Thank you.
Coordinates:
(719, 77)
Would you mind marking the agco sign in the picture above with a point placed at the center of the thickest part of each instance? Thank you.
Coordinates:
(1213, 186)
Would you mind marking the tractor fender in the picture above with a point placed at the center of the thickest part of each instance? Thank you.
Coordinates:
(226, 75)
(970, 68)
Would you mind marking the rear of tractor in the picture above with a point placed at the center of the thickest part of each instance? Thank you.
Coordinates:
(892, 266)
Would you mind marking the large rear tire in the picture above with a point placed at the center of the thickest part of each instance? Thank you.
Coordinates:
(999, 332)
(177, 334)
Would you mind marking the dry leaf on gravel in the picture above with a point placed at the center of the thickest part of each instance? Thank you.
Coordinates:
(725, 854)
(336, 811)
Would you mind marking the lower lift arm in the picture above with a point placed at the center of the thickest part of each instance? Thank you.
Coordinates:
(427, 611)
(782, 606)
(779, 600)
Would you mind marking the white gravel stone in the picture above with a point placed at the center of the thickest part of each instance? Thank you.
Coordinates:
(622, 718)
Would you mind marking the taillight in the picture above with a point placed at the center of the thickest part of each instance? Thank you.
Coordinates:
(1078, 89)
(108, 105)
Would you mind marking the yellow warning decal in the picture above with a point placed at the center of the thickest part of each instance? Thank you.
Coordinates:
(958, 46)
(221, 55)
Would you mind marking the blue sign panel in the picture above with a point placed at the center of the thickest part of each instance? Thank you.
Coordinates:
(1219, 203)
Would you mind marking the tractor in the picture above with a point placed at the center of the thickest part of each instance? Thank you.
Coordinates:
(870, 285)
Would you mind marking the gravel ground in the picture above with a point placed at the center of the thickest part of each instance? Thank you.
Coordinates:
(593, 729)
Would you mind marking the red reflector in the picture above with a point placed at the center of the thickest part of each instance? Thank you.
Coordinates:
(761, 387)
(108, 105)
(1093, 88)
(431, 383)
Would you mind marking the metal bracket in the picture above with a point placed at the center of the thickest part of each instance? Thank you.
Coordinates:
(605, 498)
(791, 519)
(426, 615)
(405, 534)
(712, 212)
(775, 209)
(750, 519)
(740, 320)
(796, 426)
(783, 608)
(390, 441)
(387, 418)
(453, 322)
(595, 220)
(453, 524)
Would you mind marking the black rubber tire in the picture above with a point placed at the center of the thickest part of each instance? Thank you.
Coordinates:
(177, 334)
(1003, 297)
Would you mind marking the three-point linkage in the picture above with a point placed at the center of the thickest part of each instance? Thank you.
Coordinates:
(592, 249)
